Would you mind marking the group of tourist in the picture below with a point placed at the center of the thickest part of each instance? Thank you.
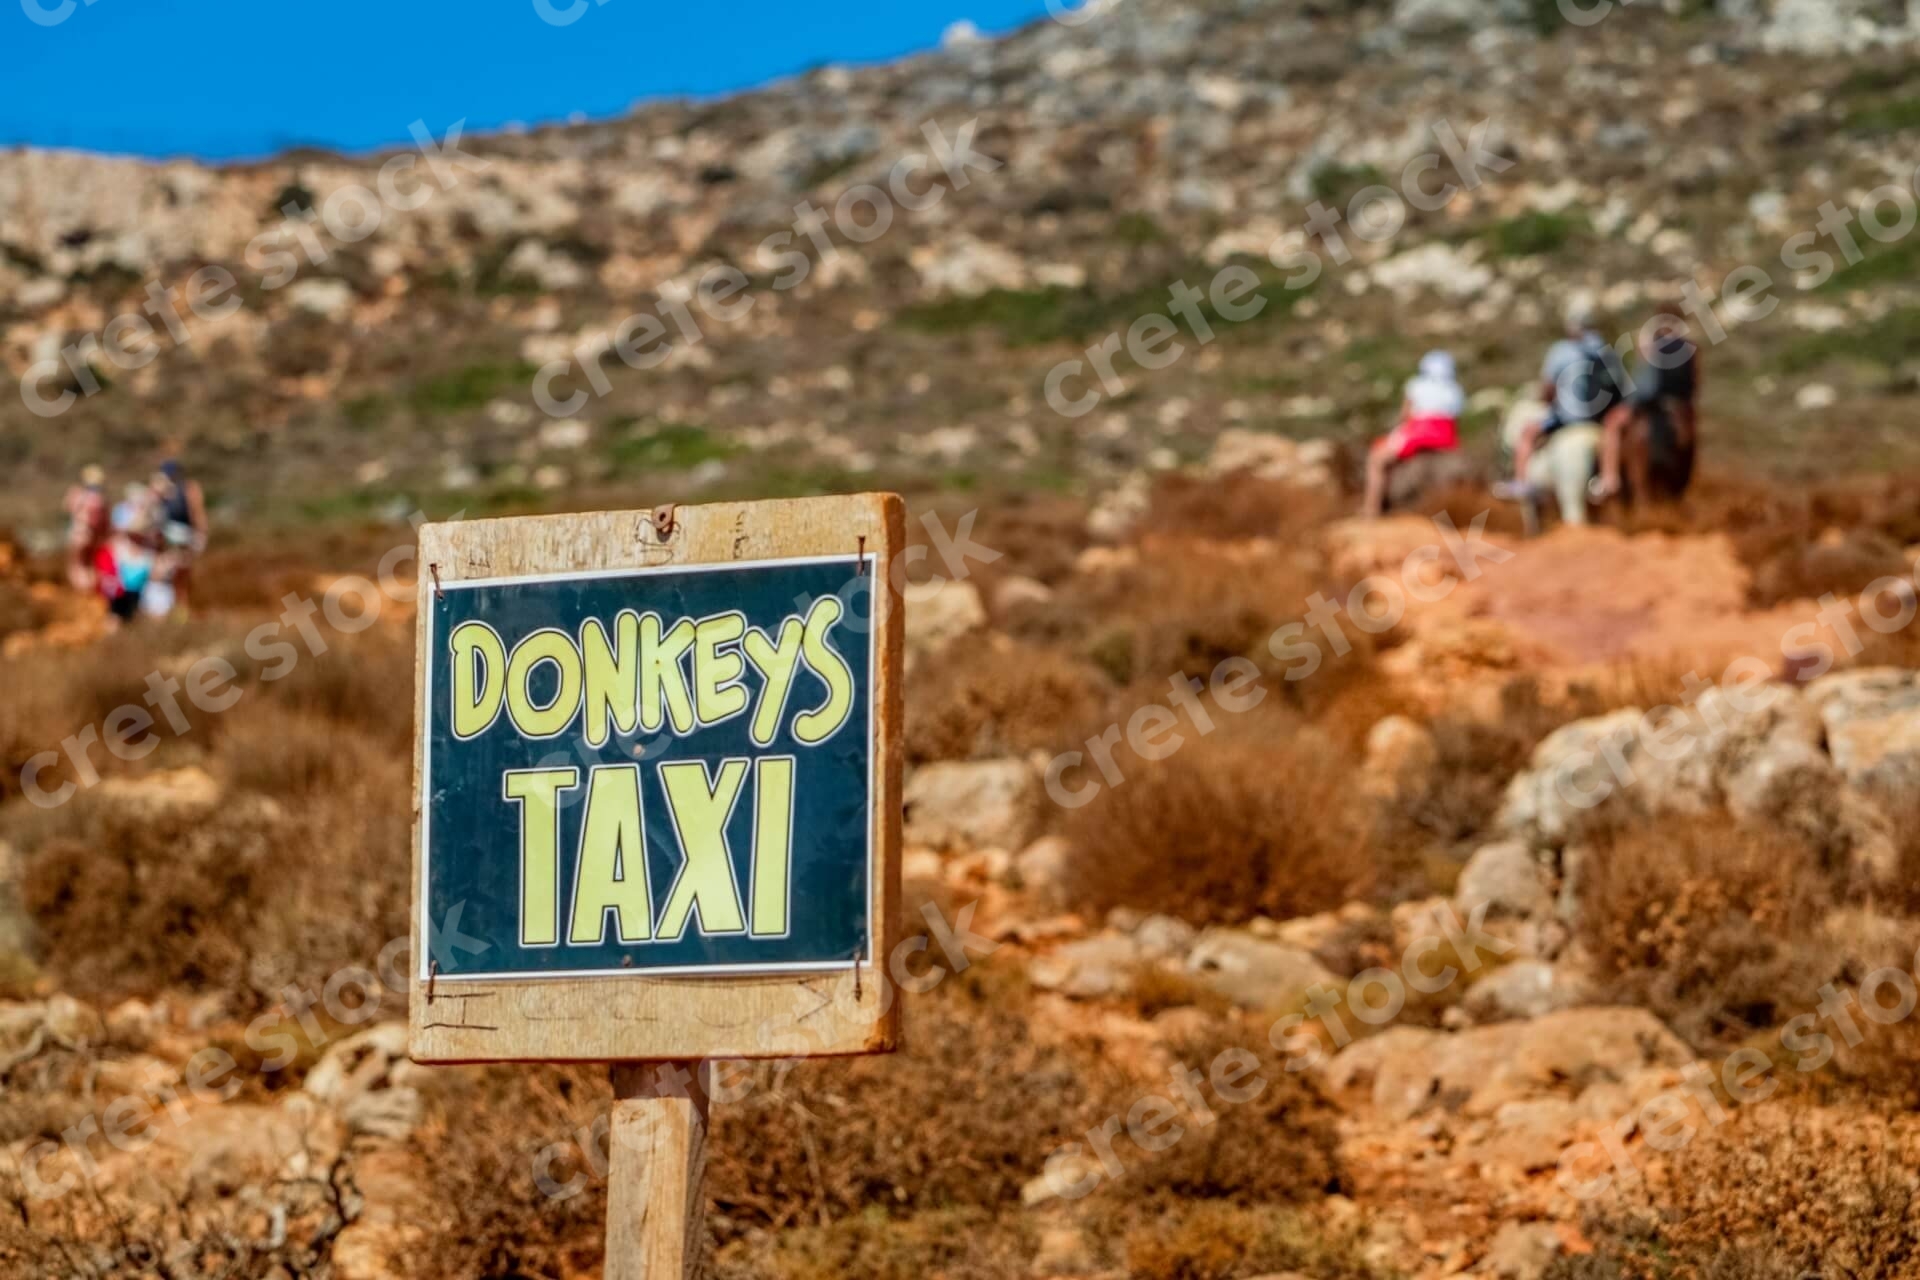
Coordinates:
(137, 554)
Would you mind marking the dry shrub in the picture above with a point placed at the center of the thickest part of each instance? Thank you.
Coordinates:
(997, 697)
(1710, 924)
(366, 681)
(1843, 566)
(1212, 1240)
(1279, 1148)
(1037, 535)
(278, 753)
(1801, 542)
(1225, 829)
(1180, 607)
(19, 611)
(966, 1115)
(246, 899)
(954, 1244)
(960, 1120)
(1239, 506)
(1782, 1192)
(54, 693)
(1454, 799)
(1464, 504)
(1156, 988)
(484, 1129)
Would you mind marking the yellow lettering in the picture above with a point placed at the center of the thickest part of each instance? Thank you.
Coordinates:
(537, 792)
(718, 694)
(705, 884)
(772, 845)
(612, 875)
(778, 661)
(661, 679)
(816, 726)
(532, 720)
(476, 693)
(612, 676)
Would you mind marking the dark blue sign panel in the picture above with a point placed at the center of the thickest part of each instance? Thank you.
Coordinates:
(650, 771)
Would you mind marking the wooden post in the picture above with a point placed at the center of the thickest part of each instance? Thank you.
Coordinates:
(656, 1180)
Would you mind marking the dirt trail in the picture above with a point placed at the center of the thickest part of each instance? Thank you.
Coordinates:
(1577, 600)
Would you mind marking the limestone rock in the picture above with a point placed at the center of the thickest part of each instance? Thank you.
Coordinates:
(941, 611)
(1089, 968)
(1400, 751)
(1308, 463)
(191, 788)
(960, 805)
(1524, 989)
(1254, 972)
(1406, 1070)
(1522, 1251)
(1872, 722)
(1042, 869)
(1508, 878)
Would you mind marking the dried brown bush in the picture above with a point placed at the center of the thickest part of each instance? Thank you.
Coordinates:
(1801, 541)
(1279, 1148)
(1710, 924)
(955, 1244)
(484, 1129)
(54, 693)
(1779, 1193)
(1211, 1240)
(987, 1105)
(1225, 829)
(1239, 506)
(1176, 606)
(19, 611)
(1455, 798)
(995, 697)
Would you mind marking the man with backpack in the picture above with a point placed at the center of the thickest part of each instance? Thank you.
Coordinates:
(1580, 382)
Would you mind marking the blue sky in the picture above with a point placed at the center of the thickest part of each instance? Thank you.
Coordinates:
(231, 79)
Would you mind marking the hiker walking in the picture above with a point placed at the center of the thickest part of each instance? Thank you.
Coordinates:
(181, 533)
(88, 523)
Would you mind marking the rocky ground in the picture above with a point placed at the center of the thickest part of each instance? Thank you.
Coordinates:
(1415, 807)
(367, 373)
(1649, 921)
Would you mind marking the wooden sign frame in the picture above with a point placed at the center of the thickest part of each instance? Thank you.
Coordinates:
(655, 1018)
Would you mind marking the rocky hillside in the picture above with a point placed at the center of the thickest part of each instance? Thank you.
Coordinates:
(379, 347)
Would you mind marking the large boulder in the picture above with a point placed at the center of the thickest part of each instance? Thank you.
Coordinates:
(963, 805)
(1406, 1070)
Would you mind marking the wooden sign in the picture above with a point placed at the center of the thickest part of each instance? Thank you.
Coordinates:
(658, 799)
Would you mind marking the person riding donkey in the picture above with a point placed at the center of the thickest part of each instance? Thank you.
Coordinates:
(1655, 428)
(1429, 423)
(1580, 383)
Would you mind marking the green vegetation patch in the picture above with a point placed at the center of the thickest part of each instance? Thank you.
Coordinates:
(470, 388)
(1338, 184)
(670, 446)
(1533, 234)
(1893, 115)
(1887, 342)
